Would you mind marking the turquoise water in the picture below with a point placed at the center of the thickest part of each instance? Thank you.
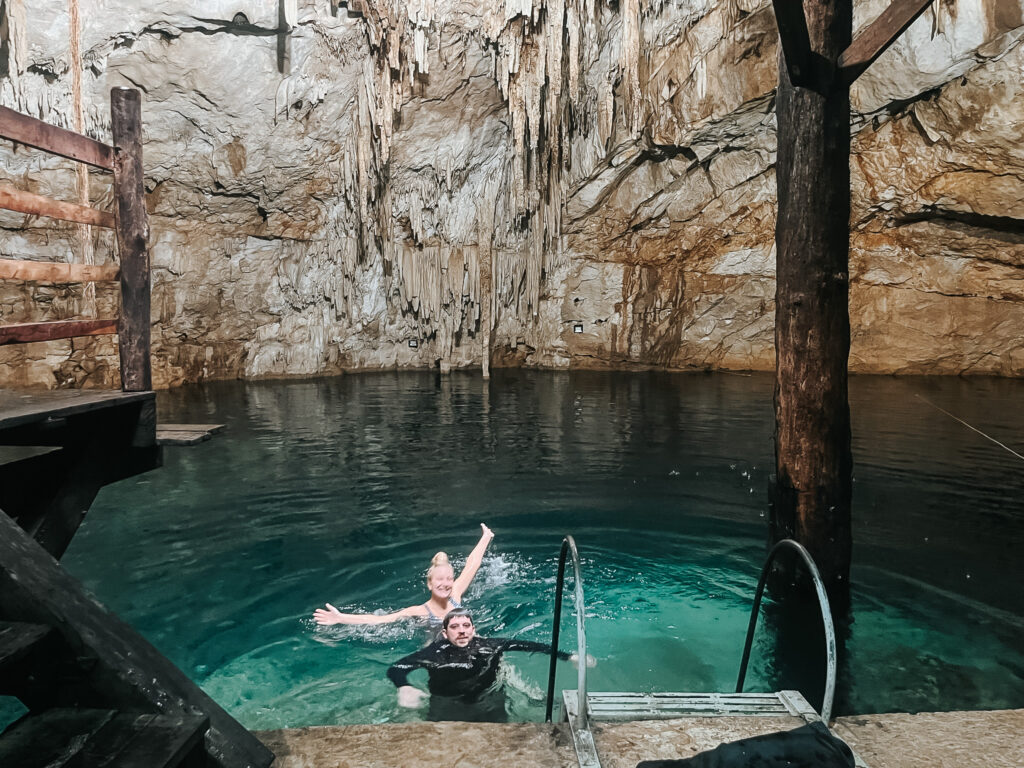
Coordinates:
(342, 489)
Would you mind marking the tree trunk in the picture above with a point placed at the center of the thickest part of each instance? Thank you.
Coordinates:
(812, 325)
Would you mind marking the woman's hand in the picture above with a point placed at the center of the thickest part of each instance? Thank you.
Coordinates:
(472, 563)
(327, 617)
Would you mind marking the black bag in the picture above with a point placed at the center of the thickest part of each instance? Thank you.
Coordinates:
(810, 746)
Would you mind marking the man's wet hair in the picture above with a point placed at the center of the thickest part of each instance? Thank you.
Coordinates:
(453, 613)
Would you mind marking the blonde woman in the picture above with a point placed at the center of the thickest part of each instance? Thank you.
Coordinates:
(445, 592)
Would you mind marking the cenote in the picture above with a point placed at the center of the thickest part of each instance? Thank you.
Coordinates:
(342, 489)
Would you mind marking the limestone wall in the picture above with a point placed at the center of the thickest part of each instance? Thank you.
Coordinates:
(552, 183)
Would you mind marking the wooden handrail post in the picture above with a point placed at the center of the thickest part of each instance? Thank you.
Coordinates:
(132, 240)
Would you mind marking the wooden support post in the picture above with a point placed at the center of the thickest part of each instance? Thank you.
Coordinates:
(132, 239)
(812, 327)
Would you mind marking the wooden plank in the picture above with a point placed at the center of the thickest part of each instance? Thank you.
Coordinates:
(181, 437)
(54, 738)
(24, 333)
(57, 141)
(149, 741)
(873, 41)
(798, 705)
(19, 409)
(17, 639)
(213, 429)
(127, 668)
(37, 205)
(794, 40)
(132, 240)
(58, 272)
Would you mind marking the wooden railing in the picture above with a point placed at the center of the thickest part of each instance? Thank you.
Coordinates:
(128, 220)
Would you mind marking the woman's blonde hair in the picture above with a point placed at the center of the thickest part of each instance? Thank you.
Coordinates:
(441, 558)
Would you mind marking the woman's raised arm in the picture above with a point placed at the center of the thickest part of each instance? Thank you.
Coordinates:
(331, 615)
(472, 563)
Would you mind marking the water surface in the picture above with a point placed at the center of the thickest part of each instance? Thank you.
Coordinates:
(342, 489)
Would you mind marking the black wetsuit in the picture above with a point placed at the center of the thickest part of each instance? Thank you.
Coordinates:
(462, 675)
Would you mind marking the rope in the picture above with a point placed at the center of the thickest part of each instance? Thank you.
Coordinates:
(1001, 445)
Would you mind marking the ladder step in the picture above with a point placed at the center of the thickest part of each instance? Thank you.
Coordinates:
(644, 706)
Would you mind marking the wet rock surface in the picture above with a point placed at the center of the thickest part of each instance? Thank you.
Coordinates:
(557, 183)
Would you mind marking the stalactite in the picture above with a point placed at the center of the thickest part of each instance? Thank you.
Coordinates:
(469, 282)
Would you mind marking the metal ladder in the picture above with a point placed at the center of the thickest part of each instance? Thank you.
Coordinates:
(579, 707)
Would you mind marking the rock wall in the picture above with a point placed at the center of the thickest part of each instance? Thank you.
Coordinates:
(557, 183)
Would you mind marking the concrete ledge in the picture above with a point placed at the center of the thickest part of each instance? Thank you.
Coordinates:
(423, 745)
(937, 739)
(928, 740)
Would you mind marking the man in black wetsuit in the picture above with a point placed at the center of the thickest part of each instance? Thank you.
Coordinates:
(462, 670)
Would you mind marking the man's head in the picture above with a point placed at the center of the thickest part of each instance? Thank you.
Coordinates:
(458, 627)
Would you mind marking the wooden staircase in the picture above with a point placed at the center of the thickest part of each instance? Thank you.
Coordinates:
(97, 693)
(94, 738)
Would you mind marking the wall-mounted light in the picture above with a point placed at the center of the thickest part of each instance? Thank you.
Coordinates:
(413, 343)
(577, 328)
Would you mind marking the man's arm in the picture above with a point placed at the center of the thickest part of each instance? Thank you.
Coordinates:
(529, 646)
(398, 673)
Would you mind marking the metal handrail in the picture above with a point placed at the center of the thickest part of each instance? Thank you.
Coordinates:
(569, 545)
(826, 619)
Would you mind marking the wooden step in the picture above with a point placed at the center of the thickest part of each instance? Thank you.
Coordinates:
(149, 741)
(185, 434)
(125, 668)
(102, 738)
(51, 739)
(18, 640)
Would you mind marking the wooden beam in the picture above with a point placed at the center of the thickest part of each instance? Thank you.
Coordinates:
(57, 272)
(37, 205)
(57, 141)
(794, 40)
(132, 240)
(873, 41)
(23, 333)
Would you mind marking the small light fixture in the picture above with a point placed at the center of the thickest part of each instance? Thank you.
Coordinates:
(577, 328)
(413, 343)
